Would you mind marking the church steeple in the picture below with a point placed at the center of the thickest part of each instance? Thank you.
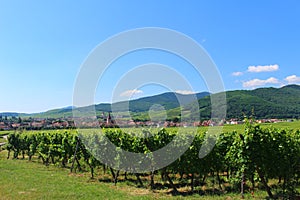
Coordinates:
(108, 119)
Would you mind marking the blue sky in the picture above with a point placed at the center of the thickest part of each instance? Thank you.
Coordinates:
(43, 44)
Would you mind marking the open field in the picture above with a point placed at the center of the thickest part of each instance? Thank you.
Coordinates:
(281, 125)
(287, 125)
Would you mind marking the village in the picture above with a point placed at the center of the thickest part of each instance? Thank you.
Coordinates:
(106, 120)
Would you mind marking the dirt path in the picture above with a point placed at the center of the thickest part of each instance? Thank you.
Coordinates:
(3, 143)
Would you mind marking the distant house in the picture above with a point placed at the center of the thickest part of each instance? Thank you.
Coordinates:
(3, 126)
(37, 124)
(15, 125)
(131, 123)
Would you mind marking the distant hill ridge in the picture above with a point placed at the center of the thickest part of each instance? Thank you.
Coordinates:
(269, 102)
(264, 102)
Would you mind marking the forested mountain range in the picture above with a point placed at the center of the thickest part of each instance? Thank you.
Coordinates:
(269, 102)
(263, 103)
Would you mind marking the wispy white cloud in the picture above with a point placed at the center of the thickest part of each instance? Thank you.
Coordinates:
(263, 68)
(129, 93)
(185, 92)
(292, 79)
(258, 82)
(237, 73)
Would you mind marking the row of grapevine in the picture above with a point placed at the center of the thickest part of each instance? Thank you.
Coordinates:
(50, 147)
(241, 159)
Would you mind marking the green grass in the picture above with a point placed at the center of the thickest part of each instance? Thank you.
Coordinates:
(285, 125)
(5, 133)
(240, 127)
(2, 139)
(21, 179)
(281, 125)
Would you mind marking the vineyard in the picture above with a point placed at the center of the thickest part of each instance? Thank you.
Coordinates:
(242, 162)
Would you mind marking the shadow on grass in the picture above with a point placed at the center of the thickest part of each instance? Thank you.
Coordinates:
(167, 188)
(128, 180)
(208, 192)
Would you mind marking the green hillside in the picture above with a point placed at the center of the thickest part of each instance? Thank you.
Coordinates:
(263, 102)
(167, 100)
